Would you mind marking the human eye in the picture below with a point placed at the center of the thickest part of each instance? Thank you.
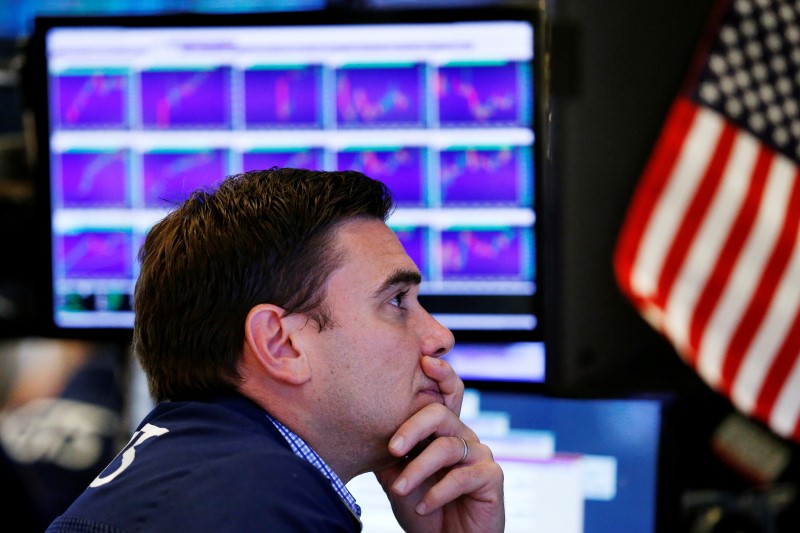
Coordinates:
(399, 299)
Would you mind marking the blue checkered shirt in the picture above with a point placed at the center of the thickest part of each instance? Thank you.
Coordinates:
(304, 451)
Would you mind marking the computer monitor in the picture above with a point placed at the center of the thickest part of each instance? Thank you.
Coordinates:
(444, 106)
(570, 465)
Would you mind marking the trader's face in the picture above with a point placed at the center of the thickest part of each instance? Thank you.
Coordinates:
(366, 362)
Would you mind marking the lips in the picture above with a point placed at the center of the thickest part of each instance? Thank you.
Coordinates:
(435, 392)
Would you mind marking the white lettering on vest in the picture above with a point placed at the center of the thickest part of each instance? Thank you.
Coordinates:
(129, 453)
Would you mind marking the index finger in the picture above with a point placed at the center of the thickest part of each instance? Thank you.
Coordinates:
(450, 385)
(423, 427)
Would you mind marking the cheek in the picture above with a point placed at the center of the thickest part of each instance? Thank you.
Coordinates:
(373, 356)
(384, 372)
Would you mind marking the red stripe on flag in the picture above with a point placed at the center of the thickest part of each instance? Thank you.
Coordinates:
(730, 251)
(656, 174)
(765, 291)
(785, 359)
(695, 214)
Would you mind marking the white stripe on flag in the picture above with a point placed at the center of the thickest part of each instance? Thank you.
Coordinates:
(747, 272)
(705, 249)
(698, 148)
(783, 417)
(780, 315)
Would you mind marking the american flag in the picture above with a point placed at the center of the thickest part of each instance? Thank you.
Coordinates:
(709, 252)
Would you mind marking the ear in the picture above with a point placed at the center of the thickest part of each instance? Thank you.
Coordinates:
(268, 334)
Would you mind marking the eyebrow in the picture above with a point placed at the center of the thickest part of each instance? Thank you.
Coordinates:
(399, 277)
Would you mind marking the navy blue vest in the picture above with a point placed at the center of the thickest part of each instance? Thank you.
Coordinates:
(209, 466)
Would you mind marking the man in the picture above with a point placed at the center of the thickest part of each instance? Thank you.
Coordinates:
(278, 324)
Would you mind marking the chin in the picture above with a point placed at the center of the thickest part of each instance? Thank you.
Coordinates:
(389, 462)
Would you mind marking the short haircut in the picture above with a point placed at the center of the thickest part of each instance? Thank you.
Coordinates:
(259, 237)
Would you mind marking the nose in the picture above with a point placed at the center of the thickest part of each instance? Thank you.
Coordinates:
(437, 340)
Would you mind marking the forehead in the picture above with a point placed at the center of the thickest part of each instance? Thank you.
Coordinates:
(370, 250)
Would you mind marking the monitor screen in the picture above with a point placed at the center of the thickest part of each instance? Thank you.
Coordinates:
(570, 465)
(441, 105)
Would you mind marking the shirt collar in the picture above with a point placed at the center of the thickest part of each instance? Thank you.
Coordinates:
(304, 451)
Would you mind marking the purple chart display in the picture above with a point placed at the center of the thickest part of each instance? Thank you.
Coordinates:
(481, 95)
(93, 178)
(482, 177)
(282, 97)
(379, 96)
(485, 254)
(87, 101)
(95, 254)
(186, 98)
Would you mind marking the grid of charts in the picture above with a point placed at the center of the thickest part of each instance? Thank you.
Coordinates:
(132, 134)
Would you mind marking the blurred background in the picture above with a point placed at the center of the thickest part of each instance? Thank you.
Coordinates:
(616, 67)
